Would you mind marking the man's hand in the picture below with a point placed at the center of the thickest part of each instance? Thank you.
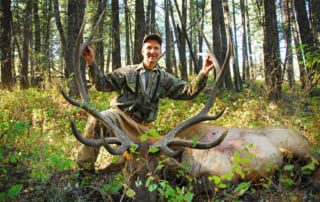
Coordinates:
(88, 55)
(207, 64)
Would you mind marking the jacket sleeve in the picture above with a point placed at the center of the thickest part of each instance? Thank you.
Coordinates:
(113, 81)
(182, 90)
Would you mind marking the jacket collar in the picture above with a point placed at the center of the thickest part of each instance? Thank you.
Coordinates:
(141, 68)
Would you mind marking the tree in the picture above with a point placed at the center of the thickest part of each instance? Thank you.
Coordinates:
(100, 46)
(5, 44)
(315, 20)
(200, 40)
(181, 36)
(236, 72)
(150, 17)
(75, 13)
(245, 65)
(27, 34)
(139, 31)
(309, 49)
(168, 36)
(116, 55)
(217, 47)
(128, 32)
(288, 62)
(271, 51)
(37, 36)
(227, 74)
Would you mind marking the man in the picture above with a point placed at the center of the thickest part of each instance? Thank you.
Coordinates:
(140, 87)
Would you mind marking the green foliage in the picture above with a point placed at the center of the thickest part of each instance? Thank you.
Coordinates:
(36, 141)
(170, 193)
(11, 193)
(114, 186)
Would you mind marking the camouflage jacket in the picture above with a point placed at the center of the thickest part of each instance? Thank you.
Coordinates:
(140, 90)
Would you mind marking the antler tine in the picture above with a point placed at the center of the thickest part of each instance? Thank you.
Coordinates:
(168, 140)
(76, 62)
(95, 28)
(200, 145)
(121, 138)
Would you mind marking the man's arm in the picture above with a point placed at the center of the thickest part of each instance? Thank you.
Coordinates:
(182, 90)
(103, 82)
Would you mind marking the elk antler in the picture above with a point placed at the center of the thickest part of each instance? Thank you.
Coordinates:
(165, 143)
(121, 138)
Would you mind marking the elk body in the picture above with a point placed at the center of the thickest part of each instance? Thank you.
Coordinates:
(265, 149)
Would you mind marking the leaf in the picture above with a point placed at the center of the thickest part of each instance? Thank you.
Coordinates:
(194, 141)
(222, 186)
(242, 188)
(153, 150)
(143, 137)
(133, 148)
(2, 196)
(154, 133)
(14, 190)
(288, 167)
(152, 187)
(189, 196)
(228, 176)
(215, 179)
(130, 193)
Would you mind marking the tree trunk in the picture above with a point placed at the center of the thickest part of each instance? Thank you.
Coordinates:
(271, 51)
(288, 61)
(76, 10)
(168, 37)
(245, 66)
(217, 46)
(200, 40)
(173, 51)
(250, 64)
(175, 31)
(60, 29)
(227, 74)
(37, 37)
(182, 35)
(153, 17)
(139, 31)
(24, 82)
(315, 16)
(100, 46)
(127, 21)
(46, 54)
(191, 21)
(313, 68)
(296, 40)
(236, 72)
(116, 55)
(5, 45)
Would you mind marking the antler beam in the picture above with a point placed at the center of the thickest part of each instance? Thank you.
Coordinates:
(165, 143)
(121, 138)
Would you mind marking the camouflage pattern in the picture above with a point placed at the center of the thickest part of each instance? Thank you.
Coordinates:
(142, 101)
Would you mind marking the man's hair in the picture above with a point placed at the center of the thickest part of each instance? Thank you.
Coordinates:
(153, 36)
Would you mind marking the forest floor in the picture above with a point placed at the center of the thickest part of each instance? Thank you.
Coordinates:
(38, 150)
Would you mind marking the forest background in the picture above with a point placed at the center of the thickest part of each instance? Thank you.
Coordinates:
(272, 77)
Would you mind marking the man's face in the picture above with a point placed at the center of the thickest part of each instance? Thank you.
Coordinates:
(151, 51)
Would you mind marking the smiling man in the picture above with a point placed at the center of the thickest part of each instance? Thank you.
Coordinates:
(139, 89)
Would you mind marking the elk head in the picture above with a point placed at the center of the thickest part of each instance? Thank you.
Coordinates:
(121, 143)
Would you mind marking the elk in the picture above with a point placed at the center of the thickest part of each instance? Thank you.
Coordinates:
(212, 153)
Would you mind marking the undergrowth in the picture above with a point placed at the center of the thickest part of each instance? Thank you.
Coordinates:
(38, 150)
